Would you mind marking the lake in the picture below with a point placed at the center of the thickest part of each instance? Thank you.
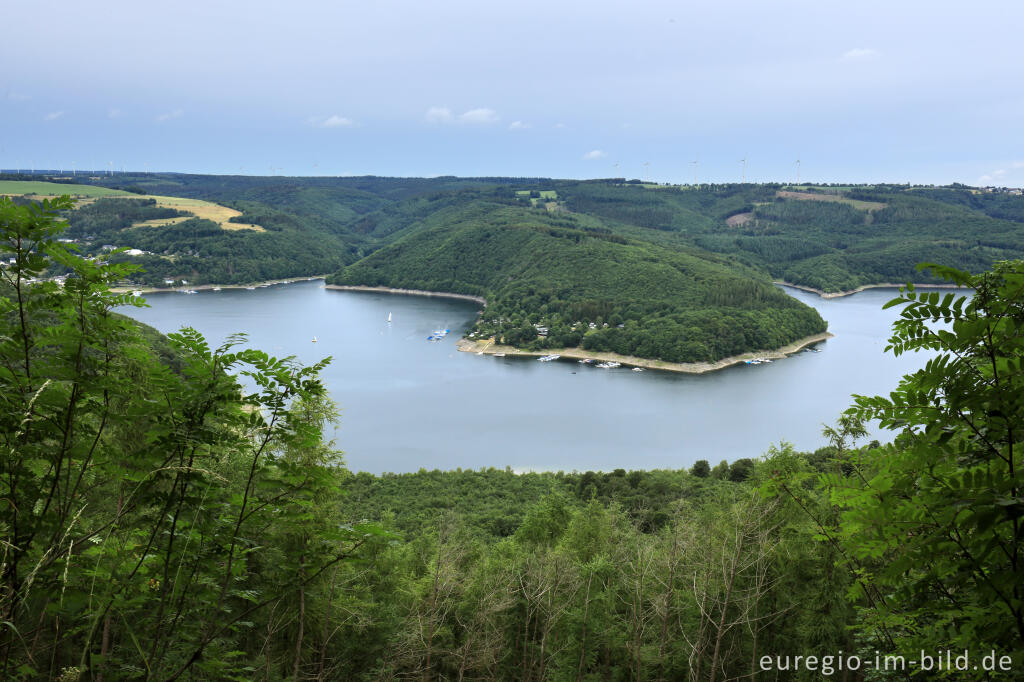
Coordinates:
(408, 403)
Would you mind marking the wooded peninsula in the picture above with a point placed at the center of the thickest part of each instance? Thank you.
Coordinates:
(677, 274)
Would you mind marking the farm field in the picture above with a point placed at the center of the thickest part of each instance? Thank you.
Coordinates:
(199, 208)
(41, 189)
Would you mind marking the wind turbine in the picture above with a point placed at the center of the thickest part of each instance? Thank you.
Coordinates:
(743, 179)
(798, 170)
(696, 167)
(647, 171)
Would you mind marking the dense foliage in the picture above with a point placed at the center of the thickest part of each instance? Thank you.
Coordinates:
(626, 238)
(157, 522)
(553, 280)
(938, 515)
(200, 251)
(150, 512)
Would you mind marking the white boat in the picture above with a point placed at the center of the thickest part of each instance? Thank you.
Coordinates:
(136, 293)
(499, 355)
(314, 339)
(216, 288)
(638, 369)
(389, 317)
(549, 358)
(251, 288)
(609, 365)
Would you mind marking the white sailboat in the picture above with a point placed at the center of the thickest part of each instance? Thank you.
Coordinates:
(314, 339)
(389, 317)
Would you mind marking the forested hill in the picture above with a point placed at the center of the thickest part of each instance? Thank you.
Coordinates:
(828, 237)
(557, 280)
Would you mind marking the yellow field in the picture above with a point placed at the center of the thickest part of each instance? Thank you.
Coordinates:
(86, 194)
(200, 209)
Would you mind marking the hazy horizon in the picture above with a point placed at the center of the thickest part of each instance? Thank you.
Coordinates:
(926, 93)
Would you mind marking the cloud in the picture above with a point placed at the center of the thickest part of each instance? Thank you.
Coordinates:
(594, 155)
(113, 113)
(561, 126)
(998, 175)
(439, 115)
(167, 116)
(53, 115)
(332, 121)
(860, 53)
(18, 97)
(481, 115)
(519, 125)
(478, 116)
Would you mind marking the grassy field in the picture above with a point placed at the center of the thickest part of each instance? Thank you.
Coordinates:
(197, 207)
(856, 203)
(200, 209)
(54, 189)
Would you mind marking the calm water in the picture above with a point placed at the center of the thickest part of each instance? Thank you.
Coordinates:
(408, 403)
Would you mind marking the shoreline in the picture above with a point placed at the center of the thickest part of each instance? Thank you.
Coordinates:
(489, 348)
(411, 292)
(208, 287)
(864, 287)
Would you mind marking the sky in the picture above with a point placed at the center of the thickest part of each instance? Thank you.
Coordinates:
(896, 91)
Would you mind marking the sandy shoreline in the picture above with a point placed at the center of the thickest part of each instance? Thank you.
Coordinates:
(207, 287)
(489, 348)
(840, 294)
(412, 292)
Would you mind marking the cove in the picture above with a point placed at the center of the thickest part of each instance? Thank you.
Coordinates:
(408, 403)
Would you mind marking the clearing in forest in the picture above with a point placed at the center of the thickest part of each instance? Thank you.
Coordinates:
(810, 196)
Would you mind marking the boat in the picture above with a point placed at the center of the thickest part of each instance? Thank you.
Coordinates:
(216, 288)
(389, 317)
(136, 293)
(587, 361)
(549, 358)
(638, 369)
(314, 339)
(251, 288)
(499, 355)
(609, 365)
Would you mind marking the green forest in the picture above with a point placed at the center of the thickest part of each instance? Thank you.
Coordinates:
(158, 522)
(553, 281)
(677, 273)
